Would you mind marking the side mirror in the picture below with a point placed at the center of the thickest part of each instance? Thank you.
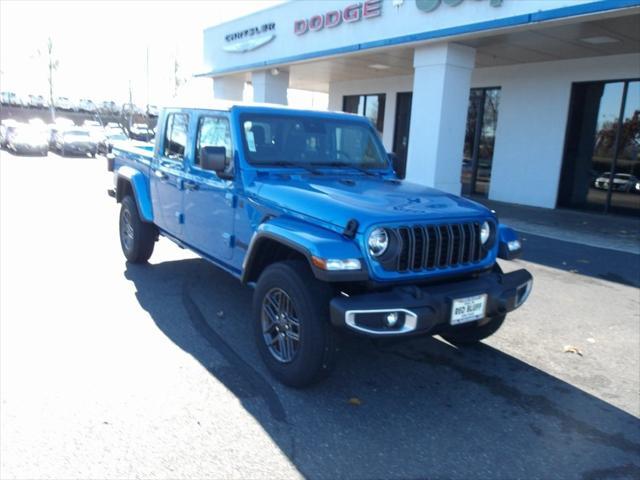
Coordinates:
(213, 159)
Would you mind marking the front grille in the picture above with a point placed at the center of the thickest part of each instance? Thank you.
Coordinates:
(429, 247)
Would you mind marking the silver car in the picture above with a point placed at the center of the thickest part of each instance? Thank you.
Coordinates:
(622, 182)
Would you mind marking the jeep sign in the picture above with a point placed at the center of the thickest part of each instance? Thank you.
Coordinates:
(431, 5)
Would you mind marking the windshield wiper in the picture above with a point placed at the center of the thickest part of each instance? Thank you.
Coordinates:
(285, 163)
(348, 165)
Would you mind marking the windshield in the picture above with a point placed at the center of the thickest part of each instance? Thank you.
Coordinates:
(275, 139)
(76, 133)
(117, 136)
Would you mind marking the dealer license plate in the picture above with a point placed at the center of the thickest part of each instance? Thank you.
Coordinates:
(468, 309)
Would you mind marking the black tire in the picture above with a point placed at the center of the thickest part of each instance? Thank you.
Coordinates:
(314, 353)
(473, 333)
(137, 242)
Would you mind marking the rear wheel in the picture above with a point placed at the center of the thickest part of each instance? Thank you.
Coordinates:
(137, 238)
(291, 321)
(474, 333)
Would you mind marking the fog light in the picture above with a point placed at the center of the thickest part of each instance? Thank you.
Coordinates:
(514, 245)
(391, 319)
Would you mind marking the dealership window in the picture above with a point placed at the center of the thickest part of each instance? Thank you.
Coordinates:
(370, 106)
(601, 167)
(479, 140)
(175, 136)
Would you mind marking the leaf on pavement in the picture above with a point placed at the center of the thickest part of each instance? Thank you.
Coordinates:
(355, 401)
(572, 349)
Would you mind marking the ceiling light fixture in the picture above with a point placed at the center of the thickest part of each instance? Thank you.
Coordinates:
(379, 66)
(600, 40)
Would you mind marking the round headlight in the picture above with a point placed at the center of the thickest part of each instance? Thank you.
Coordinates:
(378, 242)
(485, 232)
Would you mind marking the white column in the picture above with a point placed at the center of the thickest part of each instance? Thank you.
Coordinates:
(228, 88)
(441, 84)
(270, 88)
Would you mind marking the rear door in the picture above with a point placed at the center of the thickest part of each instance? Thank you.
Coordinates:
(167, 173)
(208, 199)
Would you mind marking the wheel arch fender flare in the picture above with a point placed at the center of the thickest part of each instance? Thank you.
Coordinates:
(140, 188)
(308, 240)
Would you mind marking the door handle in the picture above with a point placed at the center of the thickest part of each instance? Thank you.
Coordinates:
(189, 185)
(160, 174)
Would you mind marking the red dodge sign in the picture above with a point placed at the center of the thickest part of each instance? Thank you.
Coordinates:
(352, 13)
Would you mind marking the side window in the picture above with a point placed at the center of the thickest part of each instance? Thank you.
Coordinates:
(215, 132)
(175, 136)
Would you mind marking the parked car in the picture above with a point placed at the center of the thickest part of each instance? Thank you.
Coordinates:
(75, 141)
(10, 99)
(304, 206)
(142, 132)
(63, 103)
(110, 138)
(114, 126)
(35, 101)
(86, 105)
(622, 182)
(24, 138)
(109, 107)
(152, 110)
(6, 127)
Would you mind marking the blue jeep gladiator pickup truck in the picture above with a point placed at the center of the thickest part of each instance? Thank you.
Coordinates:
(305, 208)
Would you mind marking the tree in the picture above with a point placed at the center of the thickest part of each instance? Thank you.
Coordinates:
(178, 79)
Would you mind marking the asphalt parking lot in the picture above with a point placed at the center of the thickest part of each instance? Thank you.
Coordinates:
(109, 370)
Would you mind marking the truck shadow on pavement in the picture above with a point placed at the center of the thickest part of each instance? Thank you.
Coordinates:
(413, 409)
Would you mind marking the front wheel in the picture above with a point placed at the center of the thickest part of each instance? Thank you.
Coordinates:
(291, 321)
(137, 238)
(474, 333)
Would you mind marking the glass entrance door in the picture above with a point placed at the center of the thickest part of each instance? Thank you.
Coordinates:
(601, 167)
(401, 132)
(479, 141)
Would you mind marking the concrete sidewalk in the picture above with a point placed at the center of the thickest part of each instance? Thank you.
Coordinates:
(613, 232)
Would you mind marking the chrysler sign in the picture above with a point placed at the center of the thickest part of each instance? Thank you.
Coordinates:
(250, 39)
(351, 13)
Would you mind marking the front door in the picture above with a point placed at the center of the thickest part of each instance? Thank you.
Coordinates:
(401, 133)
(167, 174)
(208, 199)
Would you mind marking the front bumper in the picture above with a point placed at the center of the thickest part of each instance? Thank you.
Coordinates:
(426, 310)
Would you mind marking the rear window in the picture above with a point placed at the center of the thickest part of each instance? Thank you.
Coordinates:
(175, 136)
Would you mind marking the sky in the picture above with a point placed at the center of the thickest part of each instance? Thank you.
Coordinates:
(102, 46)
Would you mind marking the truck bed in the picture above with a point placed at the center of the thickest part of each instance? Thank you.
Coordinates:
(138, 155)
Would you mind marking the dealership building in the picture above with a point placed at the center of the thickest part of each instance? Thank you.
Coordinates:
(534, 102)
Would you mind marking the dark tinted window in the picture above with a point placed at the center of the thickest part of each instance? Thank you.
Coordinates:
(175, 136)
(370, 106)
